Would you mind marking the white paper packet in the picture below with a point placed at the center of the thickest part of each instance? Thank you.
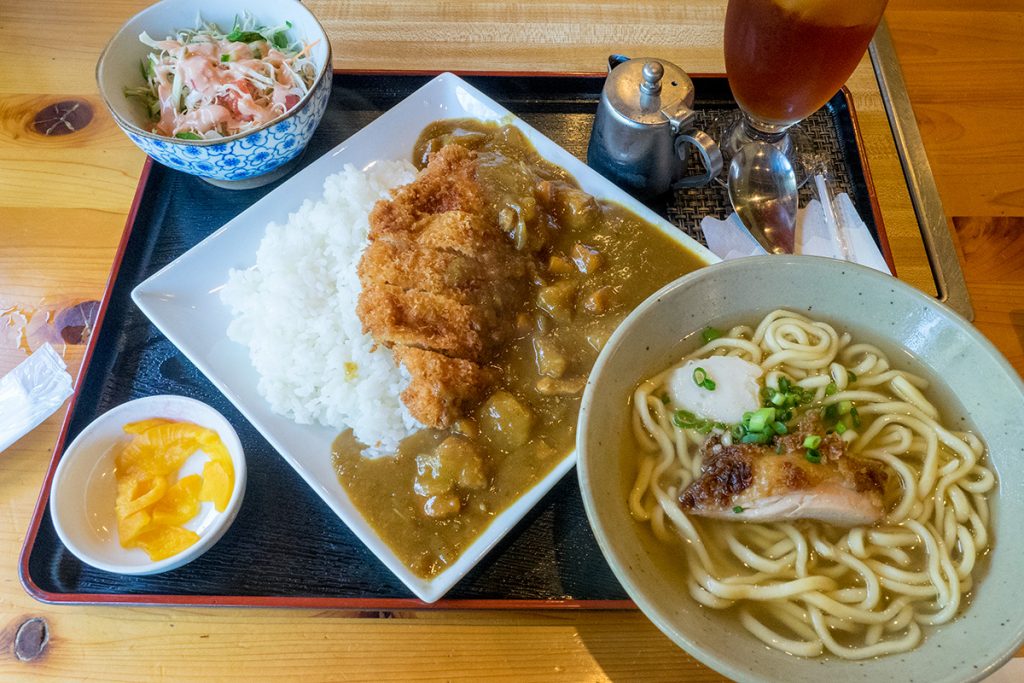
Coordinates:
(815, 235)
(31, 392)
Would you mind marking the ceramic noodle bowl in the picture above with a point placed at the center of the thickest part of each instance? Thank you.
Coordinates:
(973, 387)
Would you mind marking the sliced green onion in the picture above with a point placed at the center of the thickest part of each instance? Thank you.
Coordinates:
(852, 377)
(759, 419)
(738, 432)
(684, 419)
(784, 385)
(700, 375)
(681, 416)
(665, 399)
(709, 384)
(813, 456)
(710, 334)
(831, 412)
(780, 428)
(831, 389)
(778, 398)
(737, 509)
(844, 407)
(188, 136)
(812, 441)
(786, 415)
(840, 428)
(225, 57)
(856, 418)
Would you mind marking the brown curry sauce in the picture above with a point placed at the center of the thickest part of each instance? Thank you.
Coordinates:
(596, 262)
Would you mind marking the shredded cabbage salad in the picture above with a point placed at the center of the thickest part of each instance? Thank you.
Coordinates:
(204, 84)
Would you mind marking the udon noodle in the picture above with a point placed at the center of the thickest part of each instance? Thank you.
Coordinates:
(806, 587)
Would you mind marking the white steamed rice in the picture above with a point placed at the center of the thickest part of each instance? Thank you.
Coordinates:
(296, 311)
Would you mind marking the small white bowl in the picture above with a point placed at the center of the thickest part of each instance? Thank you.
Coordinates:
(84, 488)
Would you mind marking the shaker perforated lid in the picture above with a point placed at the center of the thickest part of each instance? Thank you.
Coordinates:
(640, 88)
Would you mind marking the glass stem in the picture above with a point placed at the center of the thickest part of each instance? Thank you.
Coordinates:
(758, 129)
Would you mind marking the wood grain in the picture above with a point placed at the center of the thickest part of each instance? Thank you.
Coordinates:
(968, 116)
(63, 202)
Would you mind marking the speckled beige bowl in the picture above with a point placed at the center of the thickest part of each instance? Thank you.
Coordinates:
(919, 334)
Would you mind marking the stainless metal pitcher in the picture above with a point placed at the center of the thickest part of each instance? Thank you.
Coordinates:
(644, 129)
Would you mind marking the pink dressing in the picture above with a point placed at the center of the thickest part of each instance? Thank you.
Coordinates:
(206, 118)
(224, 95)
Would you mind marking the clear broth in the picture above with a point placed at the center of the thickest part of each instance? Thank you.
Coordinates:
(668, 557)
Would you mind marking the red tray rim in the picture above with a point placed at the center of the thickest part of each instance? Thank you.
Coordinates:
(354, 604)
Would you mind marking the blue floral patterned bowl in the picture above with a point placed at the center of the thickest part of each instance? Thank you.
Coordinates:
(249, 159)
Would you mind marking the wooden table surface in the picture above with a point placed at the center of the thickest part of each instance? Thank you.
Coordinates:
(64, 200)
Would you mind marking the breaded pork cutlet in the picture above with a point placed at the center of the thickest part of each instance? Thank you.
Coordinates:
(408, 265)
(457, 255)
(442, 388)
(441, 286)
(447, 184)
(426, 320)
(463, 233)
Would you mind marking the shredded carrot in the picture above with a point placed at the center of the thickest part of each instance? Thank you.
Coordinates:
(307, 48)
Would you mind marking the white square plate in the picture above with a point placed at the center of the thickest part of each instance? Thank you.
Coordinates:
(182, 300)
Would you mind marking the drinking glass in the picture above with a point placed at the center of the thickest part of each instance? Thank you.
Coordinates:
(787, 58)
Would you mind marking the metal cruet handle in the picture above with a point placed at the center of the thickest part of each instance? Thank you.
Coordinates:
(682, 117)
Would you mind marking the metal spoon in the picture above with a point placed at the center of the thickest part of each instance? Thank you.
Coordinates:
(762, 189)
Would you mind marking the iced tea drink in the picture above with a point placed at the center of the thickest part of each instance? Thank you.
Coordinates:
(786, 58)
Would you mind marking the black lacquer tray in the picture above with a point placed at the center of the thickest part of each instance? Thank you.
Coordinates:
(308, 557)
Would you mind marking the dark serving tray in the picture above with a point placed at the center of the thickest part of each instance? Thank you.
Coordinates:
(308, 557)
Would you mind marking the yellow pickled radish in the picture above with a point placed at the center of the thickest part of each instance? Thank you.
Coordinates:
(217, 485)
(142, 425)
(165, 541)
(131, 526)
(151, 511)
(138, 491)
(180, 503)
